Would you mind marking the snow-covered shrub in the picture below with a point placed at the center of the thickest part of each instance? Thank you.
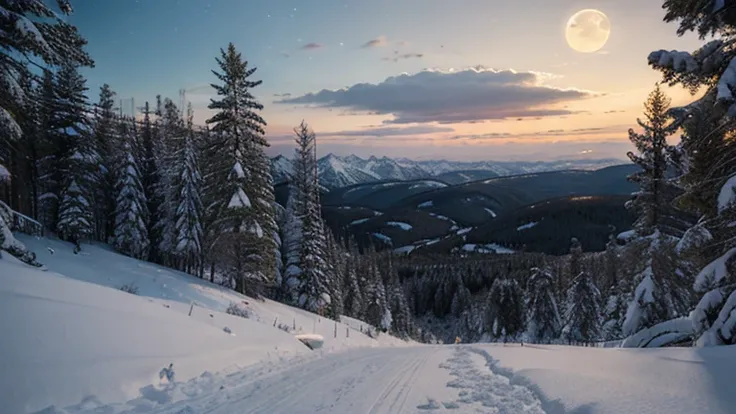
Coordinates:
(237, 310)
(669, 332)
(9, 243)
(131, 288)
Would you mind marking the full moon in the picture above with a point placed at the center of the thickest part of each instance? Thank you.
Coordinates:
(587, 31)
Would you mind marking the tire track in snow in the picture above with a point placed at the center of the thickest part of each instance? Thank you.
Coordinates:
(404, 381)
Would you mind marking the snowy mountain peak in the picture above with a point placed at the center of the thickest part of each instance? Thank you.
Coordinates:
(339, 171)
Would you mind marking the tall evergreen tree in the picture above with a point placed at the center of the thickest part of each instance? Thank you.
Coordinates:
(506, 309)
(243, 214)
(401, 320)
(31, 30)
(583, 310)
(149, 175)
(314, 287)
(653, 201)
(462, 297)
(78, 163)
(106, 130)
(51, 152)
(187, 220)
(172, 135)
(709, 153)
(130, 234)
(543, 319)
(377, 306)
(354, 302)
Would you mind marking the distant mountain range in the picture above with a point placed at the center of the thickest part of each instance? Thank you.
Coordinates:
(339, 171)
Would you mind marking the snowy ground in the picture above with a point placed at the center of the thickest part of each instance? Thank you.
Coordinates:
(88, 349)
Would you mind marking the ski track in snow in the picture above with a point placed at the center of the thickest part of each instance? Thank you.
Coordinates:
(423, 379)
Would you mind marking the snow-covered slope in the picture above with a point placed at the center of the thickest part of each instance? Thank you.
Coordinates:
(615, 381)
(69, 339)
(340, 171)
(89, 349)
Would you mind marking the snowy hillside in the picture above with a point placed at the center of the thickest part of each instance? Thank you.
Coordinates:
(73, 339)
(85, 348)
(339, 171)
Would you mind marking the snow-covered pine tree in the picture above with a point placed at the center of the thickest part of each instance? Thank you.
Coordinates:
(615, 292)
(377, 309)
(353, 302)
(653, 201)
(582, 318)
(187, 217)
(442, 304)
(23, 155)
(130, 235)
(543, 317)
(106, 130)
(51, 152)
(506, 312)
(314, 287)
(78, 167)
(150, 176)
(31, 30)
(401, 321)
(291, 246)
(171, 132)
(661, 291)
(241, 204)
(335, 258)
(709, 154)
(462, 297)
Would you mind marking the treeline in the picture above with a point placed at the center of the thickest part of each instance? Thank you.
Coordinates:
(526, 297)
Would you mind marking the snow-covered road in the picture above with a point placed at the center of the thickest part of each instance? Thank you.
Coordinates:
(371, 380)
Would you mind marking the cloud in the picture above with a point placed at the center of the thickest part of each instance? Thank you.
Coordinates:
(282, 95)
(312, 46)
(389, 131)
(614, 111)
(380, 41)
(469, 95)
(610, 130)
(397, 57)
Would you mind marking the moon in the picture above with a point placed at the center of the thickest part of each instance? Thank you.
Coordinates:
(588, 30)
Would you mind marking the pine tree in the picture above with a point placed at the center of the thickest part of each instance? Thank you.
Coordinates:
(77, 159)
(401, 320)
(51, 152)
(149, 176)
(172, 134)
(335, 258)
(377, 309)
(583, 310)
(653, 202)
(543, 319)
(130, 234)
(709, 153)
(242, 208)
(291, 246)
(506, 309)
(188, 226)
(461, 299)
(353, 295)
(31, 30)
(314, 287)
(106, 130)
